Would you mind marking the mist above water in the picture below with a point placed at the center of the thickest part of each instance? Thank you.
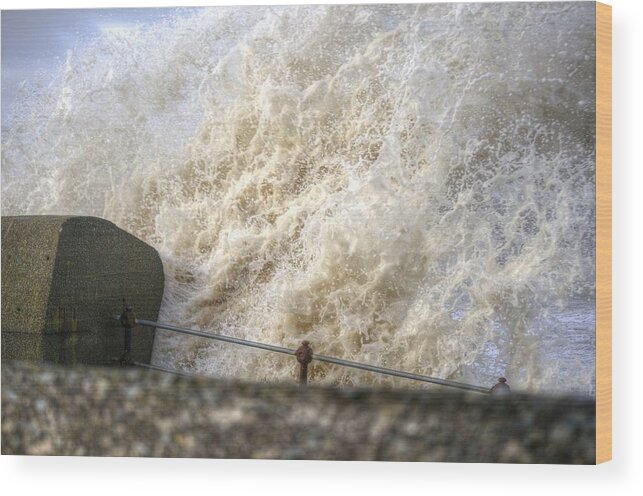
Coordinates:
(408, 186)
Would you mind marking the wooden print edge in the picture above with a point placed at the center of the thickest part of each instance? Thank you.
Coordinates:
(603, 232)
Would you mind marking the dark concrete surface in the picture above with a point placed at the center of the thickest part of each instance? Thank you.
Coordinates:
(50, 410)
(63, 280)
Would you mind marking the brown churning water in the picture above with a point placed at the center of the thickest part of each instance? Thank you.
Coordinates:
(407, 186)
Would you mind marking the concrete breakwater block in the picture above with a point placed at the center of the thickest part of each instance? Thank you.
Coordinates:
(92, 411)
(63, 280)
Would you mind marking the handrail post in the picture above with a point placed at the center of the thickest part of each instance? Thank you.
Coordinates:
(304, 356)
(501, 387)
(128, 321)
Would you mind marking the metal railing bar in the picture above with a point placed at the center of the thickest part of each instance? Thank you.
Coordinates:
(400, 373)
(218, 337)
(161, 369)
(321, 358)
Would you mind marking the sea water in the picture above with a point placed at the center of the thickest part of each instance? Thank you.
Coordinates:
(409, 186)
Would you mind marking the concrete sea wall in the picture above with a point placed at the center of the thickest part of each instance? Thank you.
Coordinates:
(63, 280)
(49, 410)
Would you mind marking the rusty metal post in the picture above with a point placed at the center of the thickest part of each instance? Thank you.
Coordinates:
(501, 388)
(128, 321)
(304, 356)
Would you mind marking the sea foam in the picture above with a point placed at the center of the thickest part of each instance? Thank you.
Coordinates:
(408, 186)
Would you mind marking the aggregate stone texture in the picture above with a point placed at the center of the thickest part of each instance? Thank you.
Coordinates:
(100, 411)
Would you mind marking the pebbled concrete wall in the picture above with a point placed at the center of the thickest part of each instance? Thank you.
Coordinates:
(63, 279)
(50, 410)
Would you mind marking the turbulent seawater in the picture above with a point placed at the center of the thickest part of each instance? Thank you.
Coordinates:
(409, 186)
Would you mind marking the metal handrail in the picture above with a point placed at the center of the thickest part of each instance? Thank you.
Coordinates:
(321, 358)
(162, 369)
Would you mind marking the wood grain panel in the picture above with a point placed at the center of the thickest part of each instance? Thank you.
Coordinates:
(603, 232)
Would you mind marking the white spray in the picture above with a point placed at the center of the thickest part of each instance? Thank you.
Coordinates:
(408, 186)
